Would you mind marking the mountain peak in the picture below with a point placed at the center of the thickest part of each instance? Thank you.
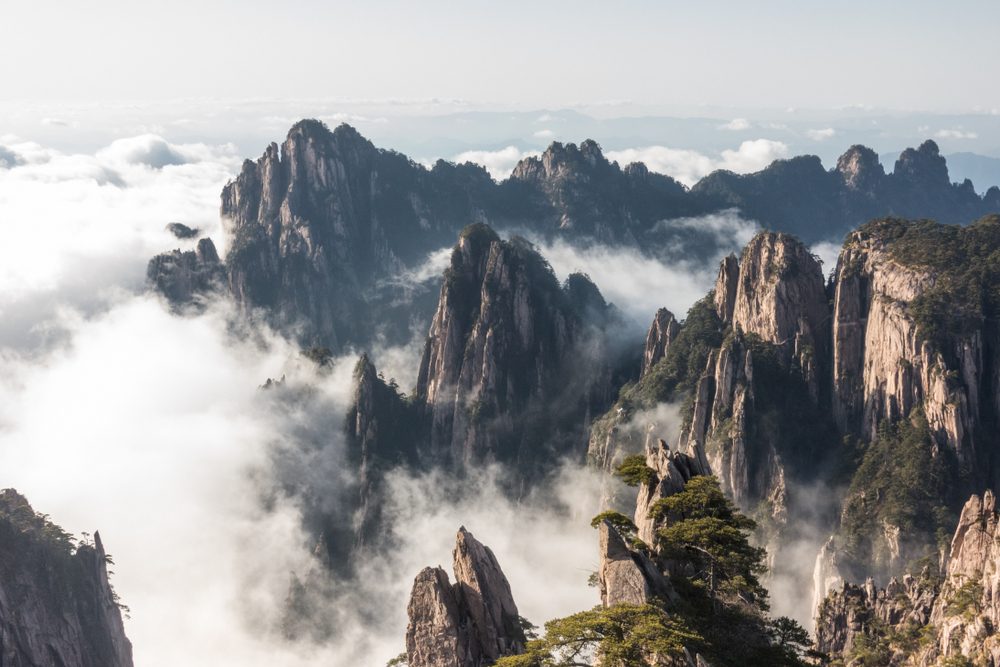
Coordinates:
(310, 127)
(923, 167)
(860, 168)
(560, 160)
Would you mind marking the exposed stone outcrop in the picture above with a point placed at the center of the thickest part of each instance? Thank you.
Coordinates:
(661, 333)
(324, 228)
(578, 192)
(967, 612)
(861, 170)
(628, 576)
(671, 471)
(775, 294)
(316, 222)
(383, 433)
(57, 606)
(779, 295)
(812, 202)
(470, 623)
(185, 277)
(182, 231)
(433, 636)
(958, 615)
(854, 611)
(510, 349)
(882, 366)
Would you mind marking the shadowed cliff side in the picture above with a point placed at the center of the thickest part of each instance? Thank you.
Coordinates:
(56, 604)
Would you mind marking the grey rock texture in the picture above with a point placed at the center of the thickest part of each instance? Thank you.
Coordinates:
(671, 471)
(883, 368)
(513, 362)
(661, 333)
(958, 614)
(186, 277)
(854, 610)
(627, 576)
(323, 228)
(318, 221)
(383, 433)
(56, 604)
(775, 294)
(470, 623)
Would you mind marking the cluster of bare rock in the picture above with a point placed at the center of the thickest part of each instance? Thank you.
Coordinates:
(474, 621)
(922, 620)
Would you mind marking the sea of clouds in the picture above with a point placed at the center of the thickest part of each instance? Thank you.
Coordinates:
(117, 414)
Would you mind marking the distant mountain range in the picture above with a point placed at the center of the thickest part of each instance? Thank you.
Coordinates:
(319, 224)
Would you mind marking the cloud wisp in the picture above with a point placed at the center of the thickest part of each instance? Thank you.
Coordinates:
(689, 166)
(499, 163)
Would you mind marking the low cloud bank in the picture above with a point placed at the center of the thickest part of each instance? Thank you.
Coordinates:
(80, 228)
(499, 163)
(674, 278)
(151, 428)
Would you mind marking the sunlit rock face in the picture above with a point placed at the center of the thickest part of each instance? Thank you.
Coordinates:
(773, 301)
(661, 333)
(883, 367)
(469, 623)
(956, 613)
(56, 604)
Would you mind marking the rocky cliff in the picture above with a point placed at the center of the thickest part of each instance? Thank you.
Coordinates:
(661, 334)
(470, 623)
(574, 191)
(384, 432)
(324, 228)
(669, 470)
(927, 620)
(514, 362)
(56, 604)
(883, 382)
(626, 575)
(801, 197)
(914, 382)
(316, 223)
(188, 277)
(772, 304)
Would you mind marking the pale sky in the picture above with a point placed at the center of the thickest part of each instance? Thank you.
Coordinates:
(909, 55)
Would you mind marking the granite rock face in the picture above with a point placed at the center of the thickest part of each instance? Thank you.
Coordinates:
(186, 277)
(661, 333)
(470, 623)
(626, 575)
(56, 603)
(883, 367)
(383, 433)
(957, 614)
(318, 221)
(577, 192)
(850, 612)
(511, 355)
(325, 229)
(671, 471)
(773, 300)
(779, 296)
(799, 196)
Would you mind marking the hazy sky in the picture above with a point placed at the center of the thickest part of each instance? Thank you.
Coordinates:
(905, 55)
